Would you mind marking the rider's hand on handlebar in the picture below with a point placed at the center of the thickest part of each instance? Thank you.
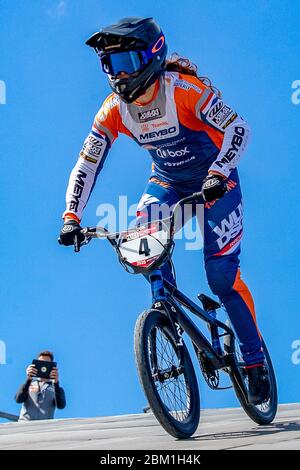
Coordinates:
(213, 187)
(70, 229)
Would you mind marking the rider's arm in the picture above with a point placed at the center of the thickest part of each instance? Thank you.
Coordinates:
(91, 159)
(234, 130)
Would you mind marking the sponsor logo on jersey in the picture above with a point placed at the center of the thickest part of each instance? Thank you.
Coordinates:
(182, 162)
(93, 148)
(221, 115)
(77, 190)
(173, 143)
(230, 227)
(159, 124)
(87, 158)
(145, 127)
(230, 120)
(159, 134)
(215, 109)
(187, 86)
(149, 115)
(112, 102)
(236, 143)
(107, 106)
(170, 153)
(148, 126)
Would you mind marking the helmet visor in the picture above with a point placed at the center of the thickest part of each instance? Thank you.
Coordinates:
(128, 62)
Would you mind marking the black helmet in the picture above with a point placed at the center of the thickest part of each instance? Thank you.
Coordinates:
(133, 45)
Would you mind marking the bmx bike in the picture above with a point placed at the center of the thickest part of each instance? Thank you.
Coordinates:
(164, 365)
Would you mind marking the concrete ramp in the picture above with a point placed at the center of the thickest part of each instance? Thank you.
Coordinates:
(219, 429)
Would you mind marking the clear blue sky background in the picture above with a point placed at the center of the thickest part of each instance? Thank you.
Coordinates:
(84, 307)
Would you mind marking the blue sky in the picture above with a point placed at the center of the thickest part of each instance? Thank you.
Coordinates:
(84, 307)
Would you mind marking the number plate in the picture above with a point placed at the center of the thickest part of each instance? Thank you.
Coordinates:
(142, 246)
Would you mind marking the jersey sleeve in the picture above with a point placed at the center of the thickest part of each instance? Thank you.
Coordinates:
(212, 111)
(91, 159)
(236, 132)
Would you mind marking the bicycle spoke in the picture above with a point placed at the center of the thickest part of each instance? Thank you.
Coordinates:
(174, 392)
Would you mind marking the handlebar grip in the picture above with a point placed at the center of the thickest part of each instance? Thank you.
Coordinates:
(76, 244)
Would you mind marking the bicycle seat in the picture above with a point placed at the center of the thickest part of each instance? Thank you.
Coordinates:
(208, 304)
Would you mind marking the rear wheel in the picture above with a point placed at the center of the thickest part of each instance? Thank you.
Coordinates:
(170, 385)
(266, 411)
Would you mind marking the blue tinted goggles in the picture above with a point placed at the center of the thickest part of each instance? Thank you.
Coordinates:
(113, 63)
(128, 62)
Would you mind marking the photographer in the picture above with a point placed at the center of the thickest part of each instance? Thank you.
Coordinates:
(40, 396)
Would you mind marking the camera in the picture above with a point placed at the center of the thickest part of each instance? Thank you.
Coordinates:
(44, 368)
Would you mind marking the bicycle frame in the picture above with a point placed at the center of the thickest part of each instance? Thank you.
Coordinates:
(164, 293)
(169, 299)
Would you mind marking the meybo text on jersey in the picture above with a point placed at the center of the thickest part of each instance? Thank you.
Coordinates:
(153, 135)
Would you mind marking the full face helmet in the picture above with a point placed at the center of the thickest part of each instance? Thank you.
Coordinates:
(135, 46)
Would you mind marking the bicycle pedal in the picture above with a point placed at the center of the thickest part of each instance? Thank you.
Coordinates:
(208, 303)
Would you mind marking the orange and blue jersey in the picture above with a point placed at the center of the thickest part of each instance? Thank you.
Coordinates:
(186, 128)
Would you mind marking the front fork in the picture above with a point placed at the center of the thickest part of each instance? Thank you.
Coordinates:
(160, 302)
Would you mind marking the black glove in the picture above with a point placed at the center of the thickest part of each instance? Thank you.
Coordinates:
(69, 230)
(213, 187)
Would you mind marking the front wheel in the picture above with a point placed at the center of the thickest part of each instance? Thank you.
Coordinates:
(169, 383)
(266, 411)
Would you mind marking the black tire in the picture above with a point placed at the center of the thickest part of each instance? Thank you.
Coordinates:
(180, 424)
(261, 414)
